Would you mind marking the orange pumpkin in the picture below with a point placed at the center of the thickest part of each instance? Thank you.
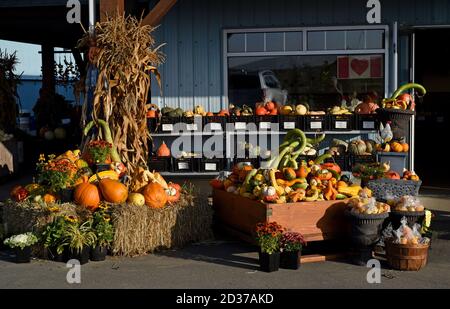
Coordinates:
(113, 191)
(396, 147)
(392, 175)
(49, 198)
(155, 196)
(87, 195)
(174, 193)
(163, 150)
(151, 113)
(209, 114)
(405, 147)
(224, 113)
(261, 111)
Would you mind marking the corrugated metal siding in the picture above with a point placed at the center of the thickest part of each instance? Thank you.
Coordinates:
(192, 30)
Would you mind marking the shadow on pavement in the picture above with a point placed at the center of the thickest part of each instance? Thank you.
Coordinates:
(228, 253)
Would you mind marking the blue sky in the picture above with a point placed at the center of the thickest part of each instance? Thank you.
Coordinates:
(28, 54)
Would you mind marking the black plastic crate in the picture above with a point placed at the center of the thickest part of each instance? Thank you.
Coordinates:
(341, 160)
(253, 161)
(340, 122)
(183, 165)
(192, 124)
(217, 122)
(316, 123)
(241, 121)
(289, 122)
(210, 165)
(159, 164)
(152, 124)
(366, 122)
(265, 122)
(362, 159)
(167, 124)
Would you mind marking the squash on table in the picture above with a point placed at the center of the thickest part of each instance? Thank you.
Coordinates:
(173, 193)
(113, 191)
(136, 199)
(87, 195)
(155, 196)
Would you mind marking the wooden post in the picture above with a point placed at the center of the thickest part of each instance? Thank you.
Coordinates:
(110, 8)
(158, 12)
(48, 68)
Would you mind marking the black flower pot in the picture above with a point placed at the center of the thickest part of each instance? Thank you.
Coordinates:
(365, 233)
(290, 259)
(412, 217)
(57, 257)
(82, 256)
(269, 262)
(100, 167)
(98, 253)
(23, 255)
(365, 229)
(66, 195)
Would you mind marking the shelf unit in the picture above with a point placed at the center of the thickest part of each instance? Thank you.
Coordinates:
(228, 138)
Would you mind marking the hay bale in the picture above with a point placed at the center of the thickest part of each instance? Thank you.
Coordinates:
(137, 230)
(140, 230)
(30, 216)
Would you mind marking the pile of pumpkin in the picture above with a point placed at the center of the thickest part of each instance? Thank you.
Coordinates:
(153, 111)
(152, 191)
(89, 189)
(393, 146)
(312, 181)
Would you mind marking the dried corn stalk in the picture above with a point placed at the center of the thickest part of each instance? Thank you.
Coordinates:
(125, 56)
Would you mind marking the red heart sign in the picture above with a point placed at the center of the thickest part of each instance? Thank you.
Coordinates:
(359, 66)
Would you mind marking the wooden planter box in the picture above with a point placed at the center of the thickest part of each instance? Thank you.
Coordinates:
(323, 220)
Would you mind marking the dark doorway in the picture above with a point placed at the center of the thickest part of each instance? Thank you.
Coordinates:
(432, 70)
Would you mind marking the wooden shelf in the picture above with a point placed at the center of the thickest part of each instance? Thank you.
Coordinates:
(264, 132)
(193, 174)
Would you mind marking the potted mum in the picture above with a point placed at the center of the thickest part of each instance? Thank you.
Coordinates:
(80, 239)
(104, 232)
(268, 237)
(22, 244)
(291, 244)
(98, 152)
(58, 176)
(53, 238)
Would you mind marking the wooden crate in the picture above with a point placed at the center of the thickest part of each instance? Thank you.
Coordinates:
(323, 220)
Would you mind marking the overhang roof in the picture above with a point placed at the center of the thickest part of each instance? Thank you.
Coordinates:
(44, 21)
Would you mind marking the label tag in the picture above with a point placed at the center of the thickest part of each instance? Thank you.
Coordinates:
(316, 124)
(368, 124)
(167, 127)
(340, 124)
(183, 165)
(240, 126)
(210, 167)
(289, 125)
(264, 125)
(191, 126)
(216, 126)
